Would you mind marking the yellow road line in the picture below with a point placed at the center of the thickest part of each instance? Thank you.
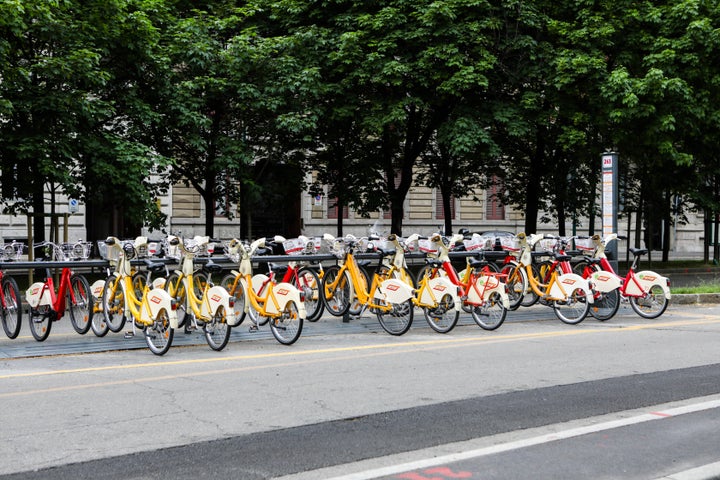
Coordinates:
(395, 346)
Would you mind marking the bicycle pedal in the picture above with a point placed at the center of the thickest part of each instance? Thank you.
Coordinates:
(128, 335)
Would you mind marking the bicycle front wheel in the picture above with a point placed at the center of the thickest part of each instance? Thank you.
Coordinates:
(287, 327)
(80, 303)
(443, 317)
(530, 298)
(308, 282)
(159, 335)
(217, 331)
(517, 283)
(235, 288)
(113, 301)
(40, 322)
(652, 305)
(398, 319)
(491, 314)
(11, 307)
(573, 310)
(605, 305)
(337, 292)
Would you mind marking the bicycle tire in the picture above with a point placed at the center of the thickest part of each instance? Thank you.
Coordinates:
(176, 288)
(40, 322)
(574, 309)
(12, 308)
(159, 335)
(652, 305)
(398, 319)
(516, 282)
(217, 331)
(580, 269)
(308, 282)
(337, 298)
(491, 314)
(113, 303)
(288, 326)
(81, 309)
(605, 305)
(544, 270)
(530, 298)
(234, 287)
(443, 317)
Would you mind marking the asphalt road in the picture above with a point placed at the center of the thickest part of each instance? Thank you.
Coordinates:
(628, 398)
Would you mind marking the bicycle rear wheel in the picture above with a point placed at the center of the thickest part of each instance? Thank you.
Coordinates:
(176, 288)
(159, 335)
(491, 314)
(652, 305)
(40, 322)
(217, 331)
(11, 308)
(80, 304)
(398, 319)
(308, 282)
(443, 317)
(113, 298)
(573, 310)
(287, 327)
(336, 295)
(530, 298)
(605, 305)
(356, 308)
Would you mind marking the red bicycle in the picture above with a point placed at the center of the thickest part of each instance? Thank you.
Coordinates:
(10, 303)
(47, 305)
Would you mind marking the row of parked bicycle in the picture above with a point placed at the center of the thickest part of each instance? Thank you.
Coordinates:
(531, 268)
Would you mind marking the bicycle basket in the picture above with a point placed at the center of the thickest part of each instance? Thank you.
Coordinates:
(584, 245)
(76, 251)
(477, 242)
(548, 243)
(295, 245)
(510, 244)
(426, 246)
(11, 251)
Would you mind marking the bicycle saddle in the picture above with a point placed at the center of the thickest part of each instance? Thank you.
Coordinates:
(638, 251)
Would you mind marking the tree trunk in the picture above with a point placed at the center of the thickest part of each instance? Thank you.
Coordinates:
(532, 194)
(209, 197)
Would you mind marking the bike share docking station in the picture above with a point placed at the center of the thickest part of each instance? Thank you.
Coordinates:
(610, 203)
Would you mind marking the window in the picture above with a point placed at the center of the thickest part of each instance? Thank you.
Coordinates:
(494, 209)
(332, 209)
(439, 212)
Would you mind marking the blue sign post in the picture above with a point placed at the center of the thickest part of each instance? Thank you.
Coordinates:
(610, 203)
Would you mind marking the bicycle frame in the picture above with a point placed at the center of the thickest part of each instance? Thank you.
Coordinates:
(213, 297)
(43, 293)
(272, 302)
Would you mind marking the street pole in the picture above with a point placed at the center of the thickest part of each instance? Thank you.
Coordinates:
(610, 203)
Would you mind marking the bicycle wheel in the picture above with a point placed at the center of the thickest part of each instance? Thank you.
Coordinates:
(652, 305)
(517, 283)
(491, 314)
(398, 319)
(217, 331)
(288, 326)
(581, 268)
(544, 272)
(336, 297)
(176, 288)
(356, 308)
(573, 310)
(81, 308)
(40, 322)
(113, 301)
(11, 308)
(443, 317)
(159, 335)
(308, 282)
(605, 305)
(234, 287)
(530, 298)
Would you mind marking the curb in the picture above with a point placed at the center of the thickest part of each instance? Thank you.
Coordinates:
(694, 298)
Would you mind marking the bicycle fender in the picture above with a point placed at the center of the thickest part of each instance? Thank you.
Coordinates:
(439, 287)
(218, 297)
(488, 284)
(570, 281)
(284, 292)
(259, 281)
(96, 290)
(37, 295)
(159, 299)
(394, 290)
(646, 279)
(605, 281)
